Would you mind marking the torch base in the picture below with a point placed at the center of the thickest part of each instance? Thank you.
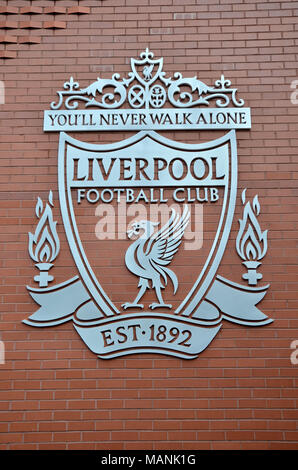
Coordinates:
(252, 276)
(44, 277)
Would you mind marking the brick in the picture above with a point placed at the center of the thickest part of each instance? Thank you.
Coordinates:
(8, 24)
(55, 10)
(78, 10)
(54, 24)
(31, 10)
(8, 39)
(8, 10)
(30, 40)
(240, 393)
(71, 436)
(30, 24)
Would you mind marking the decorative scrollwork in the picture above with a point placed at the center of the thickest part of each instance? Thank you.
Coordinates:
(108, 99)
(70, 102)
(71, 85)
(223, 86)
(185, 98)
(151, 89)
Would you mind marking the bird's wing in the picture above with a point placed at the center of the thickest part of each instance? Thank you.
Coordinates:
(163, 244)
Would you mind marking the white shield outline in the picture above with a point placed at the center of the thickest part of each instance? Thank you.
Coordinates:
(192, 301)
(136, 62)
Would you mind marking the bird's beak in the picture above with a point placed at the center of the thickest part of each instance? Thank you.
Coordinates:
(130, 233)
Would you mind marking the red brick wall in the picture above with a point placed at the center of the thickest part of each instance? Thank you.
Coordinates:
(240, 392)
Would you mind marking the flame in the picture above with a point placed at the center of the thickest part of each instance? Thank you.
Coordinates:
(251, 242)
(44, 245)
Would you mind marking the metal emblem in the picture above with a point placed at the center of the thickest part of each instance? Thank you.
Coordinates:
(146, 90)
(163, 311)
(147, 66)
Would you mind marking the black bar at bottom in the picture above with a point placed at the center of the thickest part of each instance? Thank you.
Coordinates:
(137, 459)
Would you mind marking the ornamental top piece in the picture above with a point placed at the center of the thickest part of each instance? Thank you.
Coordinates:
(147, 87)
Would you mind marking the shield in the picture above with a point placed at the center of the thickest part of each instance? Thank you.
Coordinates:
(180, 317)
(151, 69)
(103, 171)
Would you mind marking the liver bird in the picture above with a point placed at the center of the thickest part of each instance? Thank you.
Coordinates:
(147, 72)
(148, 256)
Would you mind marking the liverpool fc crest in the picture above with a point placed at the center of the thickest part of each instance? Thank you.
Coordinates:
(147, 218)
